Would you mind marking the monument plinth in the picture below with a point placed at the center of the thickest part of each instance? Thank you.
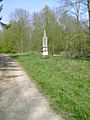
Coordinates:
(45, 46)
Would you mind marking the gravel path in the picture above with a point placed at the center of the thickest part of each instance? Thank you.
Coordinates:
(19, 97)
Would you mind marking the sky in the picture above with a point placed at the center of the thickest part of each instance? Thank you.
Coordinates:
(29, 5)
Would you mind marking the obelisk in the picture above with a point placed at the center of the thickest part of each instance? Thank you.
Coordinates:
(45, 46)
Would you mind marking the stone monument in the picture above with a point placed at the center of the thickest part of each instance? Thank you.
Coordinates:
(45, 46)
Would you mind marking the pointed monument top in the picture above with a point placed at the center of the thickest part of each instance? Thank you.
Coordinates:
(44, 33)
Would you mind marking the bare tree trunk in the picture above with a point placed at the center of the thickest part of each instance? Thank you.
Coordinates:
(78, 14)
(89, 15)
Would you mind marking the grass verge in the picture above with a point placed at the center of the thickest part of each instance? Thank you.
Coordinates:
(65, 81)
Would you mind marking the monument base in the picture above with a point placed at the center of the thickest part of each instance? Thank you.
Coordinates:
(45, 53)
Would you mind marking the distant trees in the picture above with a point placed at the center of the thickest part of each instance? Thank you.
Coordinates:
(16, 38)
(74, 22)
(66, 31)
(46, 20)
(79, 9)
(20, 21)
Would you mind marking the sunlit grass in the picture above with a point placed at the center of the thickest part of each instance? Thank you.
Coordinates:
(65, 81)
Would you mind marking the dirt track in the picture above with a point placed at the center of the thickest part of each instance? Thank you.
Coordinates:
(19, 97)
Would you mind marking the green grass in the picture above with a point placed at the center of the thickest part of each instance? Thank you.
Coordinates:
(65, 81)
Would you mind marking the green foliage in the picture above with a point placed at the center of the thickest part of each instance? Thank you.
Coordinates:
(65, 81)
(64, 35)
(16, 37)
(76, 44)
(46, 20)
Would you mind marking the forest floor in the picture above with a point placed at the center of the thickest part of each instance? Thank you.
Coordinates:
(19, 97)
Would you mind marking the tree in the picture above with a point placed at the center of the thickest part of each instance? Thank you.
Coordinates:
(46, 20)
(16, 38)
(78, 8)
(88, 3)
(5, 26)
(1, 8)
(66, 32)
(20, 19)
(74, 10)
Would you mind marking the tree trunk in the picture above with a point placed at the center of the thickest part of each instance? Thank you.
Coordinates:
(89, 15)
(78, 14)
